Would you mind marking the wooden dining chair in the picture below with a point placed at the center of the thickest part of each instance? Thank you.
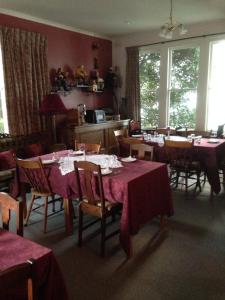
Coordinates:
(203, 133)
(18, 279)
(92, 200)
(40, 187)
(165, 131)
(7, 205)
(182, 164)
(119, 135)
(142, 151)
(89, 148)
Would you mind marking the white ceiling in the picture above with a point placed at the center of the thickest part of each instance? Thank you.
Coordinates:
(115, 17)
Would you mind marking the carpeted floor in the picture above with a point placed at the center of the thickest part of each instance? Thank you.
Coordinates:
(187, 261)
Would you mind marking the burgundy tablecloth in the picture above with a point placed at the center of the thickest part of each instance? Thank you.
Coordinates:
(209, 155)
(48, 278)
(143, 188)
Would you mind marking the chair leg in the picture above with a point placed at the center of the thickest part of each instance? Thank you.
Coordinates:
(177, 178)
(103, 236)
(29, 210)
(186, 182)
(46, 214)
(198, 183)
(53, 203)
(80, 227)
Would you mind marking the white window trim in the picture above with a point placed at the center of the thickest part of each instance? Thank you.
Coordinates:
(202, 90)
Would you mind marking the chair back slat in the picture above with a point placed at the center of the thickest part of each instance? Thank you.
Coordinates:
(89, 182)
(9, 204)
(179, 152)
(89, 148)
(36, 175)
(143, 151)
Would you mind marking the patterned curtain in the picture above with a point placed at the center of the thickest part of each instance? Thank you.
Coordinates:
(133, 83)
(25, 69)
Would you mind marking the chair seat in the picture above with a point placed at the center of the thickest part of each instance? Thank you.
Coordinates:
(182, 164)
(96, 209)
(41, 194)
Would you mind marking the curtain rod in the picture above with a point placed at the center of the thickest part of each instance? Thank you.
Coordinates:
(183, 39)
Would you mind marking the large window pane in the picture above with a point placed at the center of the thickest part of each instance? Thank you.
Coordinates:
(183, 108)
(149, 67)
(183, 87)
(216, 88)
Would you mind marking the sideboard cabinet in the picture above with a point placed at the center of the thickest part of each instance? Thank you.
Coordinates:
(92, 133)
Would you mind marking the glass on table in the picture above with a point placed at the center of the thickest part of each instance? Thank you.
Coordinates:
(55, 156)
(81, 147)
(70, 152)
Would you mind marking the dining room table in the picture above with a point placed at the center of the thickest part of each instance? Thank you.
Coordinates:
(209, 151)
(141, 186)
(49, 282)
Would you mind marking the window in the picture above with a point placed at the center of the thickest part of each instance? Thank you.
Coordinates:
(180, 69)
(149, 70)
(182, 83)
(184, 70)
(216, 87)
(3, 112)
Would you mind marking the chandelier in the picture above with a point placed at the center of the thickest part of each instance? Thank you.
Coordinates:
(167, 30)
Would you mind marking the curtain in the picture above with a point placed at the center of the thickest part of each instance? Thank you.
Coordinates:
(25, 69)
(133, 83)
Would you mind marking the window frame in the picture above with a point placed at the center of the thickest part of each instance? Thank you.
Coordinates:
(202, 90)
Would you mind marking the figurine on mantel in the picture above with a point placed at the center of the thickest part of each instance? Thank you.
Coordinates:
(60, 81)
(96, 82)
(81, 75)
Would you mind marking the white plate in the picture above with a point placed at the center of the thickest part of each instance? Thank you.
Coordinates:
(137, 135)
(213, 141)
(79, 152)
(48, 161)
(106, 171)
(128, 159)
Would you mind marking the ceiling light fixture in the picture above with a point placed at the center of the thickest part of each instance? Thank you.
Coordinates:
(167, 29)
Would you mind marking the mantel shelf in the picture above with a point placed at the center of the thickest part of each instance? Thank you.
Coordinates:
(86, 88)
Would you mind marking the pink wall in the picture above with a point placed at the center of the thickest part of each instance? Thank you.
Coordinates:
(67, 49)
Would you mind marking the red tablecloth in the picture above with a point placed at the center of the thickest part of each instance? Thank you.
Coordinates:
(209, 154)
(143, 188)
(48, 278)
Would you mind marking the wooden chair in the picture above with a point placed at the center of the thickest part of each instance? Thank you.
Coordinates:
(125, 144)
(203, 133)
(92, 204)
(182, 165)
(40, 186)
(21, 276)
(142, 151)
(9, 204)
(119, 135)
(89, 148)
(165, 131)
